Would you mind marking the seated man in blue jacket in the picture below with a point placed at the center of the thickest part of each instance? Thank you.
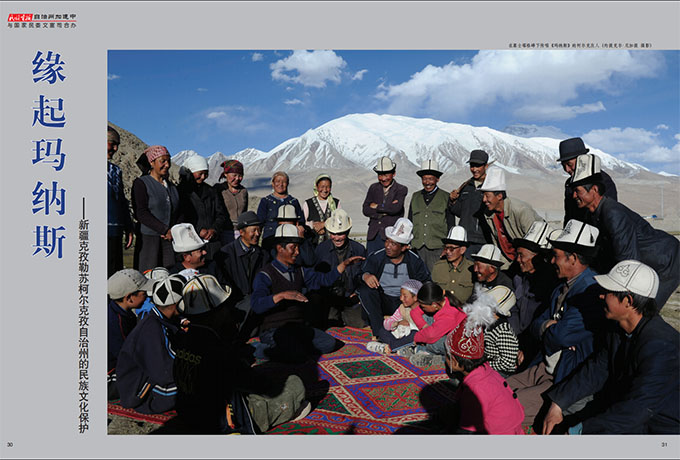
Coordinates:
(145, 363)
(636, 375)
(567, 329)
(386, 270)
(278, 298)
(340, 302)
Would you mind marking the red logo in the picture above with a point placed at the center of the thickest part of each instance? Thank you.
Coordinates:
(21, 17)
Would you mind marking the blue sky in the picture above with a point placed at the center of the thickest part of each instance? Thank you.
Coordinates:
(623, 102)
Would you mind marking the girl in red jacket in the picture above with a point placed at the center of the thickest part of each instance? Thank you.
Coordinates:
(435, 316)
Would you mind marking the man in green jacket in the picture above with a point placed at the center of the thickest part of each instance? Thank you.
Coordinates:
(428, 213)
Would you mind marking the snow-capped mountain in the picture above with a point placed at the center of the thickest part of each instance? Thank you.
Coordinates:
(359, 140)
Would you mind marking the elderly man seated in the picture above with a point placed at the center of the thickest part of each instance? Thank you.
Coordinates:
(386, 270)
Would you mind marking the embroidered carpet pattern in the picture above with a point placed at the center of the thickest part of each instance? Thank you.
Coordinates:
(355, 391)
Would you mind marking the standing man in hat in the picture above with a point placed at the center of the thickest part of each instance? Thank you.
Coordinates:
(428, 212)
(624, 234)
(386, 270)
(635, 374)
(508, 218)
(570, 149)
(567, 328)
(384, 203)
(340, 300)
(466, 203)
(454, 273)
(120, 223)
(234, 195)
(487, 268)
(279, 300)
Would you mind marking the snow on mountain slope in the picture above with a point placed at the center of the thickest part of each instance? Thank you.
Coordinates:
(359, 140)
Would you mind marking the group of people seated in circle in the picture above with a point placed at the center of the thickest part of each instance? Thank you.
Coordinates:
(543, 327)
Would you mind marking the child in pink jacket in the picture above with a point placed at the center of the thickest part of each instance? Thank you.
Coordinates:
(435, 316)
(487, 405)
(399, 329)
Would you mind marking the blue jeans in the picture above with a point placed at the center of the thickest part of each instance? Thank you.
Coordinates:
(294, 343)
(436, 348)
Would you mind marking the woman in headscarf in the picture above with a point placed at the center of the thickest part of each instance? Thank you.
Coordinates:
(234, 195)
(319, 208)
(268, 210)
(155, 202)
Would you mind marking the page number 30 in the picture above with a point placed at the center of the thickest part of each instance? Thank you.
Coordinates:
(10, 444)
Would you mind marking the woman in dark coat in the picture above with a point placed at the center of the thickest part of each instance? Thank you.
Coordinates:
(201, 205)
(268, 210)
(155, 202)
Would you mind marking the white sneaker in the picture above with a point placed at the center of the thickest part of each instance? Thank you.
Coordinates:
(305, 409)
(405, 352)
(378, 347)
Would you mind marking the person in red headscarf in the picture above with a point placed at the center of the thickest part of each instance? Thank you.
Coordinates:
(234, 194)
(155, 202)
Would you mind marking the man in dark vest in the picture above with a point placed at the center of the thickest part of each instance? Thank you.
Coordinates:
(279, 300)
(428, 213)
(384, 204)
(570, 149)
(466, 203)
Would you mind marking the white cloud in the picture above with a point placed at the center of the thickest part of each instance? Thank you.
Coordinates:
(556, 112)
(231, 118)
(257, 57)
(112, 76)
(309, 68)
(201, 90)
(359, 75)
(292, 101)
(533, 85)
(662, 126)
(633, 144)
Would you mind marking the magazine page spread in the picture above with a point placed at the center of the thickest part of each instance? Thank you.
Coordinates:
(323, 226)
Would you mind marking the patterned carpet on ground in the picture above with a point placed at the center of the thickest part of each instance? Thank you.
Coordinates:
(354, 391)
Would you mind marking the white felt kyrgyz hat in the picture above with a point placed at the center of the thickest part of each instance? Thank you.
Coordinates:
(577, 237)
(631, 276)
(339, 222)
(536, 238)
(457, 235)
(201, 294)
(504, 297)
(489, 254)
(429, 167)
(185, 238)
(401, 232)
(287, 212)
(385, 165)
(495, 181)
(587, 170)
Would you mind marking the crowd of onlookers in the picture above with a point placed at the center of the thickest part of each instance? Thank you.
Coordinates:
(552, 328)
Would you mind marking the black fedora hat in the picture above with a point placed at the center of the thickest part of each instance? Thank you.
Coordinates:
(571, 148)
